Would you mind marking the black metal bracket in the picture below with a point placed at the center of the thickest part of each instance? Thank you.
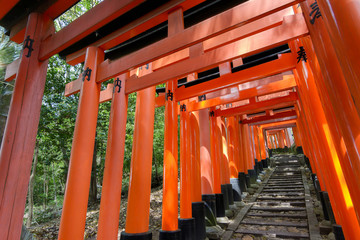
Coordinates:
(212, 114)
(169, 95)
(28, 43)
(117, 84)
(86, 73)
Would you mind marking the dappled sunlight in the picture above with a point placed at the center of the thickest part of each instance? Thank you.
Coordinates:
(338, 169)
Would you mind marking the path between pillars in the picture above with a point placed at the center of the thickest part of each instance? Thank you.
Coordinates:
(280, 208)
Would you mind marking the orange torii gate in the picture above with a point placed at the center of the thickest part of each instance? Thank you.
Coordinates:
(225, 122)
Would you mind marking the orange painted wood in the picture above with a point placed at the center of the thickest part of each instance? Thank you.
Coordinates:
(160, 101)
(231, 135)
(284, 63)
(89, 22)
(73, 217)
(226, 21)
(284, 116)
(225, 156)
(138, 208)
(107, 94)
(207, 183)
(335, 84)
(138, 26)
(215, 149)
(108, 226)
(273, 87)
(6, 6)
(73, 87)
(259, 106)
(17, 147)
(170, 181)
(195, 157)
(11, 70)
(185, 165)
(340, 19)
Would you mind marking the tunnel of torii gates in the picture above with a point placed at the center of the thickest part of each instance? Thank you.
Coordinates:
(238, 74)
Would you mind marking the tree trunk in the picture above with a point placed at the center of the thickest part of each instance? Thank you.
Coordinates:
(31, 186)
(55, 186)
(93, 182)
(46, 188)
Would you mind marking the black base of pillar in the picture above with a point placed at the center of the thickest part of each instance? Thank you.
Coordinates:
(261, 167)
(170, 235)
(268, 161)
(224, 191)
(313, 176)
(136, 236)
(242, 181)
(247, 181)
(210, 199)
(270, 152)
(198, 213)
(264, 163)
(220, 205)
(230, 193)
(317, 188)
(337, 229)
(187, 227)
(328, 207)
(252, 175)
(236, 189)
(299, 150)
(256, 168)
(322, 201)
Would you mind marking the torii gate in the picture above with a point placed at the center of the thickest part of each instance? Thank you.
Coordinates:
(319, 72)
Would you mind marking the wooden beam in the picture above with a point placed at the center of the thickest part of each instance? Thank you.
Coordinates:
(136, 27)
(73, 87)
(226, 21)
(107, 94)
(277, 116)
(245, 47)
(92, 20)
(244, 31)
(11, 70)
(286, 83)
(284, 63)
(278, 125)
(6, 6)
(259, 106)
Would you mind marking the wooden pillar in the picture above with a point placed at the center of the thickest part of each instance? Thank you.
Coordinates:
(224, 161)
(256, 143)
(138, 208)
(215, 149)
(72, 225)
(297, 139)
(170, 185)
(340, 98)
(207, 185)
(114, 159)
(17, 147)
(341, 19)
(332, 173)
(231, 147)
(195, 157)
(185, 163)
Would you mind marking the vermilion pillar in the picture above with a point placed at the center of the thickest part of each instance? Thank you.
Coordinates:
(332, 172)
(341, 19)
(114, 159)
(296, 136)
(215, 149)
(337, 88)
(138, 208)
(256, 143)
(225, 173)
(170, 185)
(72, 225)
(17, 147)
(231, 148)
(195, 158)
(262, 143)
(185, 163)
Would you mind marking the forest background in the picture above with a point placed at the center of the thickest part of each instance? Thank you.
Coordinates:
(56, 126)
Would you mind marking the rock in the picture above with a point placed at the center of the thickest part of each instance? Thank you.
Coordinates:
(251, 190)
(247, 237)
(254, 185)
(331, 236)
(229, 213)
(240, 204)
(214, 232)
(223, 222)
(325, 223)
